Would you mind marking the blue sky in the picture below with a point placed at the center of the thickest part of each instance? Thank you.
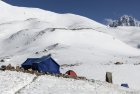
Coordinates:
(98, 10)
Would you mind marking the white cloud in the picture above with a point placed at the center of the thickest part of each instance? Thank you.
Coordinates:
(109, 21)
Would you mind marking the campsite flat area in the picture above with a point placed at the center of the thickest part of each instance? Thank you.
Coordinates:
(23, 83)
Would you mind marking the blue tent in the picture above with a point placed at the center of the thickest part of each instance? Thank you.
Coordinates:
(28, 63)
(44, 64)
(125, 85)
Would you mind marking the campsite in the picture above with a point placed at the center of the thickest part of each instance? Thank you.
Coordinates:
(65, 47)
(46, 65)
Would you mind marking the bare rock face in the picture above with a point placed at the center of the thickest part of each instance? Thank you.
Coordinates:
(125, 20)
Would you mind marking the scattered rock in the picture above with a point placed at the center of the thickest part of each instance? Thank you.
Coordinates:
(137, 64)
(2, 60)
(70, 65)
(3, 68)
(45, 50)
(138, 46)
(8, 67)
(17, 68)
(82, 78)
(20, 69)
(36, 52)
(13, 69)
(118, 63)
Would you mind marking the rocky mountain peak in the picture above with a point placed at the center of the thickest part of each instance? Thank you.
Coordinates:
(125, 20)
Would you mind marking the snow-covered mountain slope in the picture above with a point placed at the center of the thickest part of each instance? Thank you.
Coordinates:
(91, 49)
(22, 83)
(71, 39)
(12, 13)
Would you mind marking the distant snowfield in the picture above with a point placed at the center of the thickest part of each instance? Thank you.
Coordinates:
(127, 34)
(71, 39)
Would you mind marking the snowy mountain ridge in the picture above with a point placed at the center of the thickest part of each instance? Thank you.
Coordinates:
(52, 19)
(125, 20)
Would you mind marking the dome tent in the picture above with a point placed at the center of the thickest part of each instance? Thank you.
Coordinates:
(71, 73)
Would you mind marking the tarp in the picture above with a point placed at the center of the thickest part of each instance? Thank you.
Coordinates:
(125, 85)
